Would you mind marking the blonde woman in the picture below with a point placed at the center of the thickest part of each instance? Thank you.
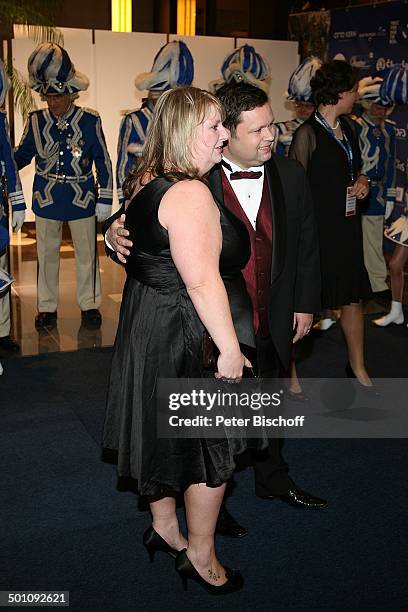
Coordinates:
(173, 291)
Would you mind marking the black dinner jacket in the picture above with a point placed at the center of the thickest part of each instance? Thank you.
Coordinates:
(295, 269)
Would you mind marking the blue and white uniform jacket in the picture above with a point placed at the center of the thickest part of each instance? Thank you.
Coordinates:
(377, 145)
(284, 135)
(65, 149)
(10, 182)
(132, 136)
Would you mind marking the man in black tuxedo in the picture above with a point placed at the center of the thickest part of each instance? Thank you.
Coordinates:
(271, 196)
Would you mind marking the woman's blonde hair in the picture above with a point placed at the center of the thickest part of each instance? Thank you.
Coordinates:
(167, 149)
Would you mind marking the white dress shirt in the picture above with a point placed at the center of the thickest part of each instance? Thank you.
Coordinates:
(248, 191)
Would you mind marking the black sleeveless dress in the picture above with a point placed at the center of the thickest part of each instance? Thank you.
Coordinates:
(160, 336)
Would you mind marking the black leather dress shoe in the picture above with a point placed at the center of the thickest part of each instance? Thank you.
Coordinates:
(299, 499)
(8, 346)
(228, 526)
(91, 316)
(45, 319)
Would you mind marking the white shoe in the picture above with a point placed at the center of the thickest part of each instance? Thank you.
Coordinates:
(324, 324)
(396, 315)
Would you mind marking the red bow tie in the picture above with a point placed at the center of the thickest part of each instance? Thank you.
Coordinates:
(236, 176)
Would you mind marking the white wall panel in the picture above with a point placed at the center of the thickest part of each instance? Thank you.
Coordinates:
(282, 57)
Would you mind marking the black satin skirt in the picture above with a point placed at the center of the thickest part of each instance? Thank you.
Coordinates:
(160, 336)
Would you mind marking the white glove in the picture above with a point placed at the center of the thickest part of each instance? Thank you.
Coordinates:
(389, 207)
(400, 226)
(17, 220)
(6, 280)
(102, 212)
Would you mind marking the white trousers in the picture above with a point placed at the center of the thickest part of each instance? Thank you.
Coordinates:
(373, 235)
(49, 236)
(4, 304)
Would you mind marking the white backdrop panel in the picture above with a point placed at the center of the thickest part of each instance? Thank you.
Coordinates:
(208, 53)
(282, 57)
(119, 58)
(78, 43)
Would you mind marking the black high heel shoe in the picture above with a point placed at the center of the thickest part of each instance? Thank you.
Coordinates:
(154, 542)
(187, 570)
(296, 396)
(372, 390)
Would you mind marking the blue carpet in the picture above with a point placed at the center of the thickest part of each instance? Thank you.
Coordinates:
(64, 526)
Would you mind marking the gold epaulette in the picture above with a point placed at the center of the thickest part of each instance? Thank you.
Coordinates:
(91, 111)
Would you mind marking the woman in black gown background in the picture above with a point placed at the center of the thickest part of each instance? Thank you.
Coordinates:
(173, 291)
(328, 149)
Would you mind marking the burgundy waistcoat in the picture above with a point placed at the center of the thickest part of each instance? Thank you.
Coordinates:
(257, 272)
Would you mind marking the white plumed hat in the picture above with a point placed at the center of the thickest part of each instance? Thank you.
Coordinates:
(172, 67)
(299, 88)
(51, 71)
(244, 64)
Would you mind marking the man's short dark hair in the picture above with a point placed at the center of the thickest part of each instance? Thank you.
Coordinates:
(237, 98)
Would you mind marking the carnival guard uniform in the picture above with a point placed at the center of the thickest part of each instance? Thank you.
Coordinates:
(172, 67)
(66, 148)
(10, 191)
(377, 139)
(284, 134)
(132, 135)
(299, 93)
(377, 144)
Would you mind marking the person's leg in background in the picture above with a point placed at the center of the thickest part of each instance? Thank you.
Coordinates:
(48, 235)
(374, 261)
(83, 232)
(7, 345)
(397, 264)
(352, 324)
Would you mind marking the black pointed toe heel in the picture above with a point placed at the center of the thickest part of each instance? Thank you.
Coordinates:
(187, 571)
(371, 391)
(154, 542)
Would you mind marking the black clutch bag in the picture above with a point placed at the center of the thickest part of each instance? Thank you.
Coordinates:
(210, 352)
